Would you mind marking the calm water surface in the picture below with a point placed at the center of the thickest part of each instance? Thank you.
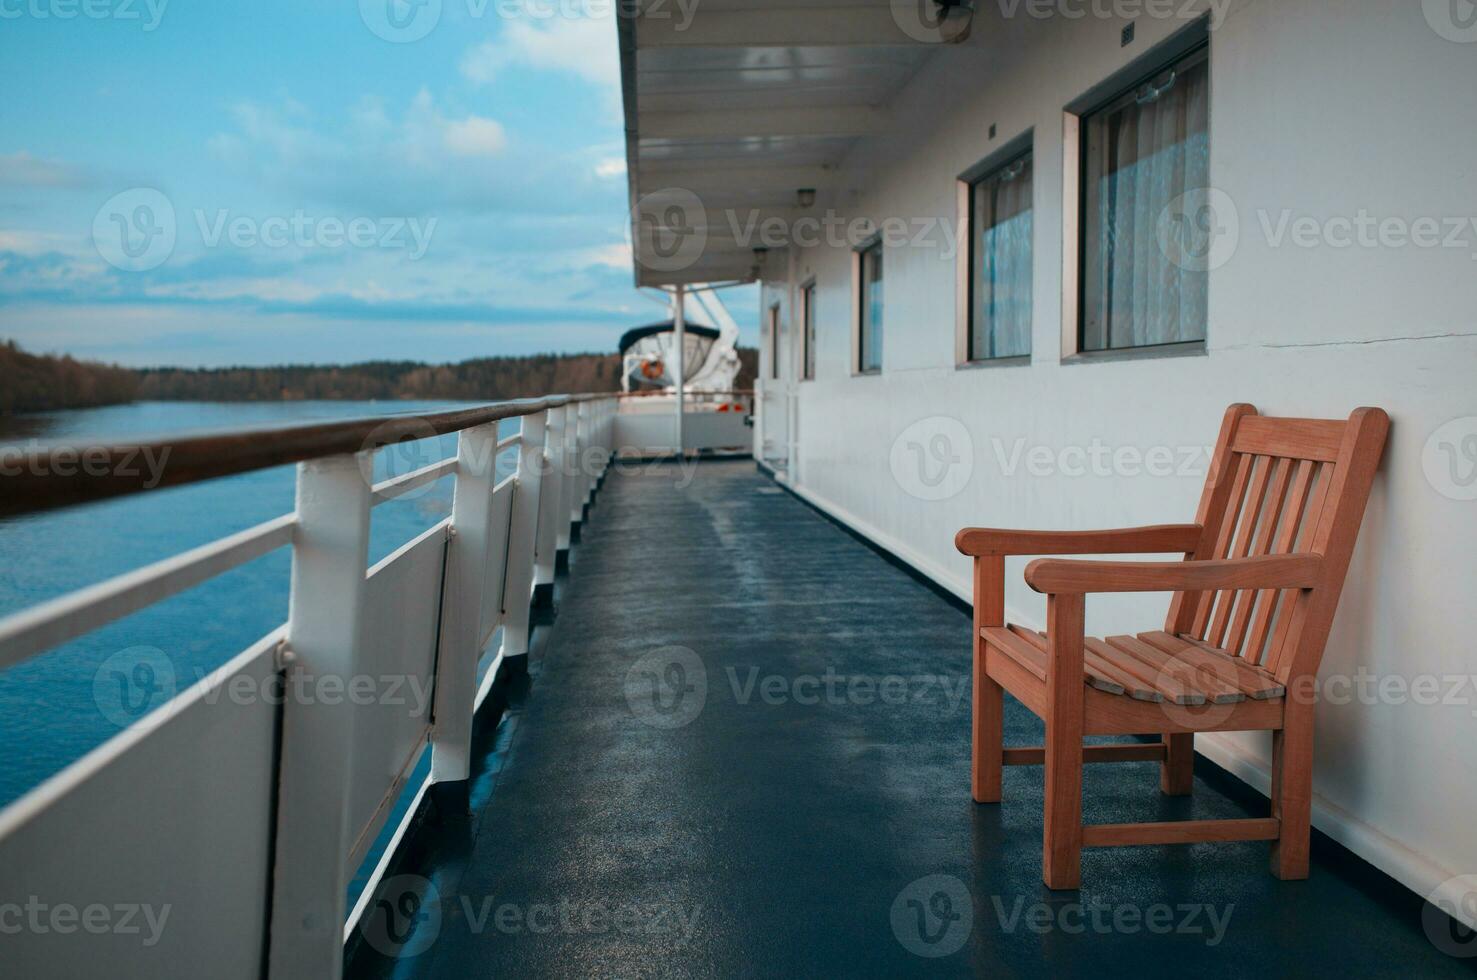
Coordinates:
(55, 707)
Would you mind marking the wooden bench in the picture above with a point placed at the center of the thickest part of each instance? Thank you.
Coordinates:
(1254, 598)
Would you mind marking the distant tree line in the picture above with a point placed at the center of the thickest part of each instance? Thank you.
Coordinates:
(32, 383)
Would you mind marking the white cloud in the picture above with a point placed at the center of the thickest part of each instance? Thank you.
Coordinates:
(37, 242)
(419, 157)
(24, 170)
(610, 168)
(616, 255)
(583, 46)
(474, 136)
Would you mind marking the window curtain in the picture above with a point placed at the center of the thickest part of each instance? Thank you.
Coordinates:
(1149, 152)
(1002, 301)
(808, 298)
(872, 322)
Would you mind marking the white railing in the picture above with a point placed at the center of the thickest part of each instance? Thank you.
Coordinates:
(238, 821)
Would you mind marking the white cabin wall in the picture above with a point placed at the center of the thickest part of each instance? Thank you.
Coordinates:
(1326, 107)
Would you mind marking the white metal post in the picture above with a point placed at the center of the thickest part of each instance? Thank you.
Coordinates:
(679, 340)
(329, 559)
(583, 483)
(550, 497)
(522, 532)
(476, 539)
(569, 473)
(607, 425)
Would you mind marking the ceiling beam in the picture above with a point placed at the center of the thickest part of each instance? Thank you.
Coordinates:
(750, 177)
(738, 123)
(694, 274)
(732, 228)
(784, 27)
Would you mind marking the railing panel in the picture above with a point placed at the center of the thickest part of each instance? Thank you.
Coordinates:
(716, 430)
(645, 432)
(550, 497)
(149, 857)
(522, 530)
(394, 681)
(497, 561)
(568, 475)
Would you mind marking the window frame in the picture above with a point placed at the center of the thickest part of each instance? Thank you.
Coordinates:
(807, 330)
(773, 326)
(1019, 148)
(873, 244)
(1190, 41)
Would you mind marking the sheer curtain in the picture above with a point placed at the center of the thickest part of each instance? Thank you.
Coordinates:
(1002, 277)
(872, 312)
(1144, 153)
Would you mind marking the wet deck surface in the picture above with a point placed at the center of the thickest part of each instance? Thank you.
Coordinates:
(742, 752)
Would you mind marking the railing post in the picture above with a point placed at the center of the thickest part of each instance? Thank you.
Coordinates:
(522, 532)
(602, 436)
(329, 559)
(569, 472)
(475, 540)
(550, 497)
(612, 409)
(586, 482)
(612, 441)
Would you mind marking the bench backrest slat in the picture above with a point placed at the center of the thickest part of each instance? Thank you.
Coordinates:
(1278, 486)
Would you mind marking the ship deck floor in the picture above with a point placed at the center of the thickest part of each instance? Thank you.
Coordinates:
(803, 809)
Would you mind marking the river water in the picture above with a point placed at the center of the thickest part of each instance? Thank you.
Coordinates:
(57, 706)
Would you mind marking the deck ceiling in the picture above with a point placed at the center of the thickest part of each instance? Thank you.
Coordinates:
(733, 106)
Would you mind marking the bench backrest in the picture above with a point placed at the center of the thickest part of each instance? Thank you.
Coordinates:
(1278, 486)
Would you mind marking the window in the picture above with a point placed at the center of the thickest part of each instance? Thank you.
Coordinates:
(999, 271)
(774, 342)
(1144, 239)
(807, 332)
(869, 308)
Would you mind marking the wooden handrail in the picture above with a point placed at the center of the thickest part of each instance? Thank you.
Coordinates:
(1155, 539)
(64, 475)
(1070, 575)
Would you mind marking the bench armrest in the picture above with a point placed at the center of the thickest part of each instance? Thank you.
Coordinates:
(1158, 539)
(1065, 575)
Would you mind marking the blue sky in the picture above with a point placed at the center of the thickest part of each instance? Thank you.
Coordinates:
(267, 181)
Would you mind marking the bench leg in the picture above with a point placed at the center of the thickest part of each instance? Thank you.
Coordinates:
(988, 726)
(988, 733)
(1292, 793)
(1177, 771)
(1061, 858)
